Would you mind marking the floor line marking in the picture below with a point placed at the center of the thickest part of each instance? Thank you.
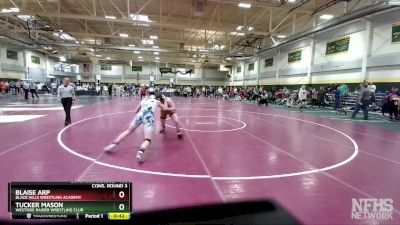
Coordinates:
(204, 123)
(66, 148)
(88, 168)
(205, 167)
(37, 109)
(355, 153)
(334, 142)
(28, 142)
(211, 131)
(322, 171)
(207, 176)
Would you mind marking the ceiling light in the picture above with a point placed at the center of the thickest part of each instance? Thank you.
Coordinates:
(203, 50)
(108, 58)
(154, 37)
(10, 10)
(281, 36)
(77, 42)
(237, 33)
(123, 35)
(156, 53)
(155, 46)
(131, 45)
(147, 42)
(63, 59)
(229, 58)
(193, 61)
(98, 55)
(141, 60)
(110, 17)
(139, 17)
(25, 17)
(140, 57)
(291, 1)
(64, 36)
(326, 17)
(136, 52)
(157, 58)
(248, 28)
(244, 5)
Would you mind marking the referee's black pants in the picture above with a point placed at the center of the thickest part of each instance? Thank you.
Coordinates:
(67, 104)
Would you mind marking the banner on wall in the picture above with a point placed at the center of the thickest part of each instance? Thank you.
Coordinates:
(396, 33)
(269, 62)
(294, 56)
(35, 59)
(137, 68)
(165, 70)
(12, 55)
(338, 45)
(105, 67)
(250, 67)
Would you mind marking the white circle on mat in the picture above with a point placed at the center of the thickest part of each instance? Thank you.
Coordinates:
(212, 131)
(353, 156)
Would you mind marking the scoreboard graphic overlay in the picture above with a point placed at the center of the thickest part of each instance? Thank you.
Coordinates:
(74, 200)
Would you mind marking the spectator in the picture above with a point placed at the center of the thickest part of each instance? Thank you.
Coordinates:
(394, 98)
(321, 97)
(363, 101)
(25, 87)
(18, 87)
(386, 103)
(110, 89)
(54, 87)
(343, 90)
(263, 98)
(33, 89)
(337, 98)
(12, 87)
(302, 97)
(372, 88)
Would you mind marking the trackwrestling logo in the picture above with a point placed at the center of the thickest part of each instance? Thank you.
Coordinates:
(372, 209)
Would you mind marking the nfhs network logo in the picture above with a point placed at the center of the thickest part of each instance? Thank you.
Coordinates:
(372, 209)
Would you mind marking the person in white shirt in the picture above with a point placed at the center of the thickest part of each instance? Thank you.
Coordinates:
(66, 94)
(372, 88)
(54, 88)
(302, 97)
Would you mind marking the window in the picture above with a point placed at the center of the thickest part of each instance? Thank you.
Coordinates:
(105, 67)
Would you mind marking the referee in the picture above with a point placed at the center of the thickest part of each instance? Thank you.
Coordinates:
(66, 93)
